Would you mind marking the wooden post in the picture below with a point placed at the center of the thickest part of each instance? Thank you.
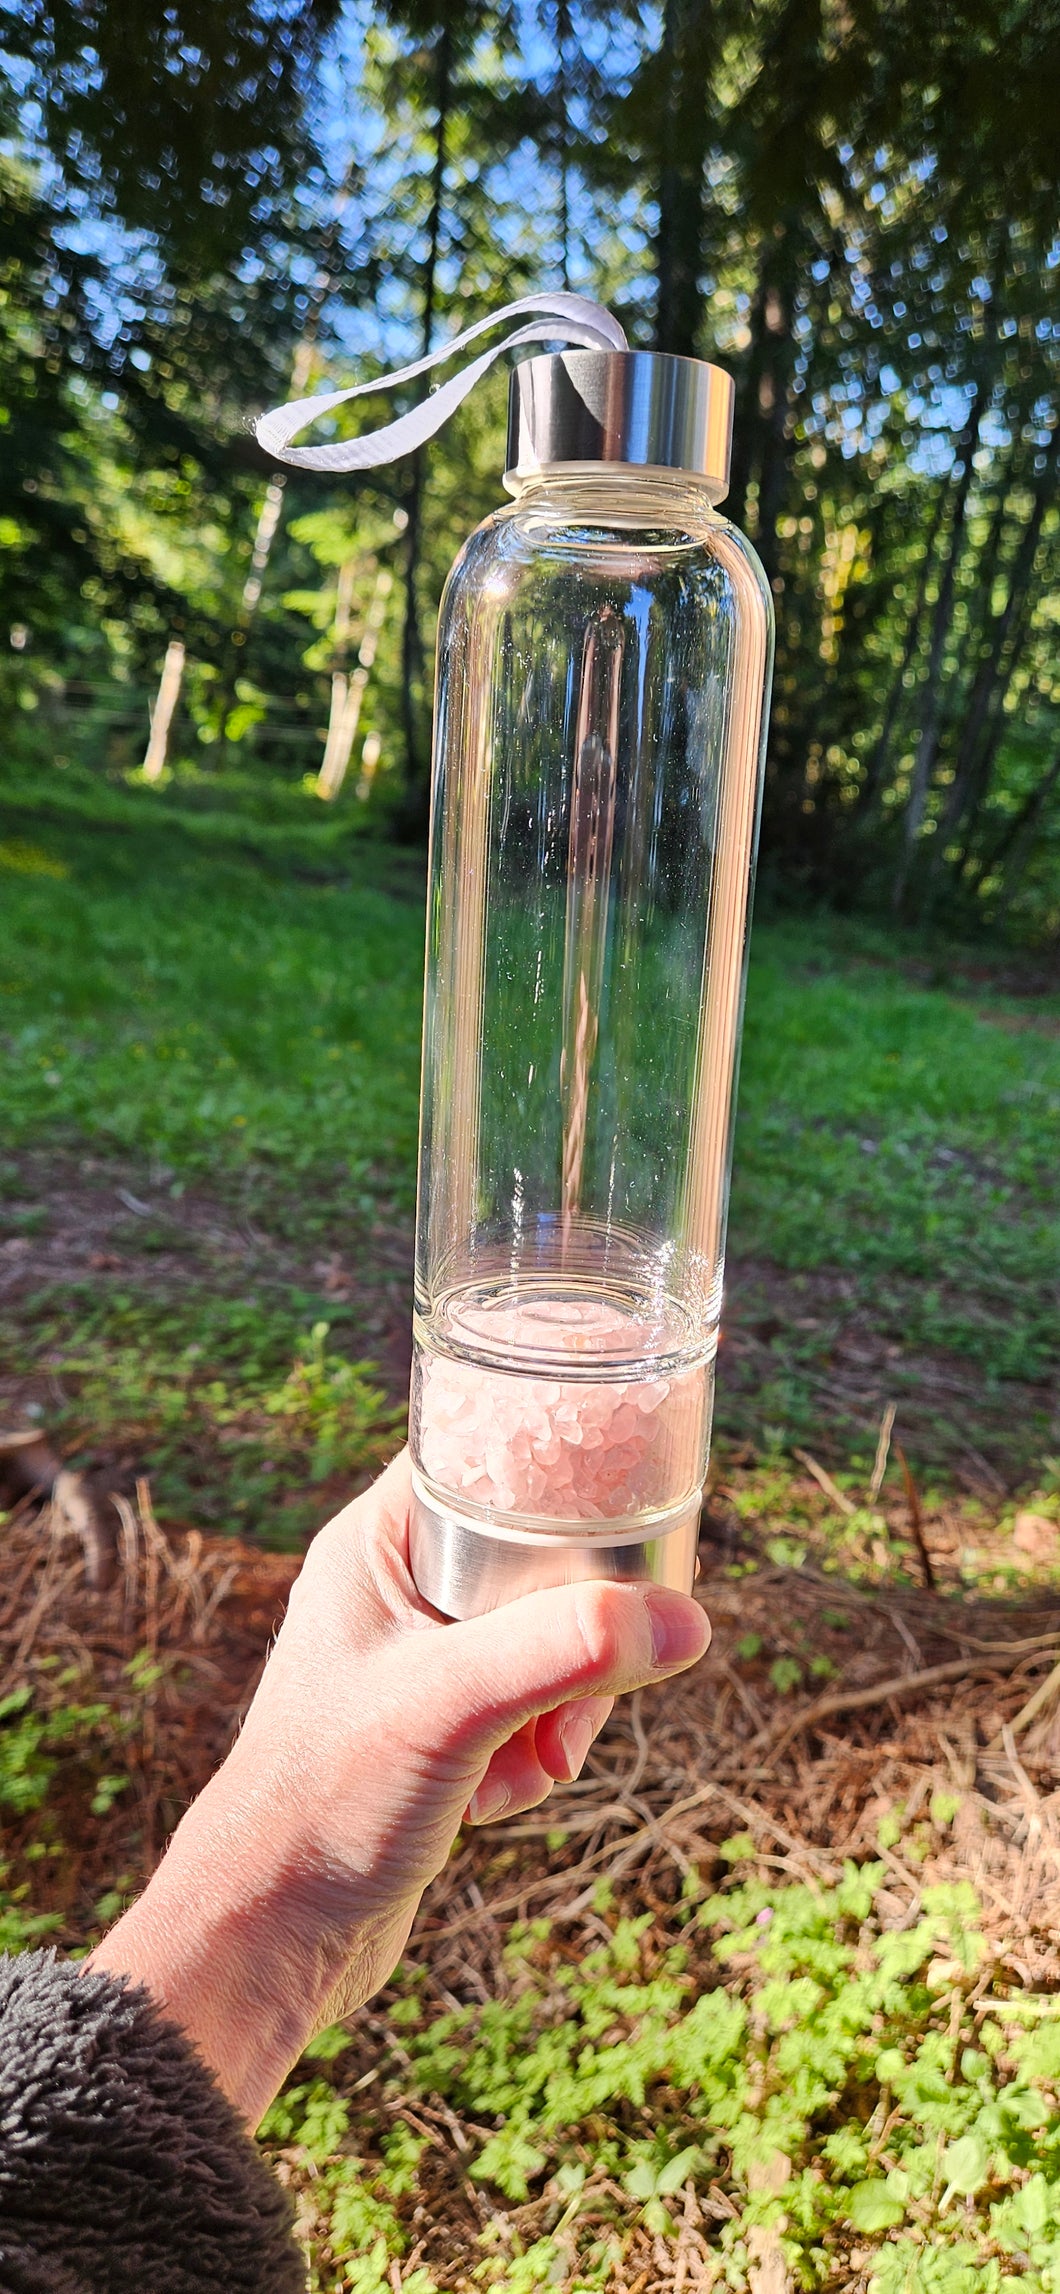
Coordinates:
(341, 639)
(346, 703)
(162, 713)
(370, 755)
(272, 506)
(264, 537)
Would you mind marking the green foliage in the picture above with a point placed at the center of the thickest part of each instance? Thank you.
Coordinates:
(29, 1744)
(209, 1392)
(313, 2115)
(866, 242)
(38, 1732)
(180, 1004)
(326, 1404)
(907, 1127)
(20, 1927)
(831, 2077)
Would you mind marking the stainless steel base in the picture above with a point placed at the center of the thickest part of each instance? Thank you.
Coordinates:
(465, 1567)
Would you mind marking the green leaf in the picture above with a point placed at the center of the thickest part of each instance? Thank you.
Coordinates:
(785, 1552)
(871, 2206)
(106, 1793)
(966, 2165)
(1039, 2055)
(676, 2172)
(328, 2044)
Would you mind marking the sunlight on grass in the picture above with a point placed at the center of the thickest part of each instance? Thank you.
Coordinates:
(196, 1007)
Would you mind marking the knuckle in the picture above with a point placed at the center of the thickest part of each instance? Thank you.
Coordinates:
(607, 1621)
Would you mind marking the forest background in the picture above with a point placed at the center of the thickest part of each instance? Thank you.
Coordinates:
(852, 207)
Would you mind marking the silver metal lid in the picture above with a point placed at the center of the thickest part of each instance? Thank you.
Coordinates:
(640, 407)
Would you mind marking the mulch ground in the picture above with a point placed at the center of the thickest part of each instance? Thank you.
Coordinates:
(927, 1691)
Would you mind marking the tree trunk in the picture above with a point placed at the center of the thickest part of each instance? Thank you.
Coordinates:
(271, 512)
(774, 402)
(927, 747)
(686, 42)
(980, 735)
(412, 646)
(745, 425)
(878, 762)
(1018, 840)
(762, 430)
(990, 559)
(561, 100)
(994, 731)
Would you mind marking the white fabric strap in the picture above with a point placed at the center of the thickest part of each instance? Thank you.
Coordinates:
(566, 318)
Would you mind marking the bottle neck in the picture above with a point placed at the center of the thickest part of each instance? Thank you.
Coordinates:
(616, 493)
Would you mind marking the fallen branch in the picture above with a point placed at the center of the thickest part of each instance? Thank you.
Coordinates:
(880, 1693)
(824, 1481)
(916, 1522)
(883, 1447)
(1043, 1695)
(75, 1513)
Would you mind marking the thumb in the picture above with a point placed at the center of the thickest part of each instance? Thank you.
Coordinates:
(484, 1679)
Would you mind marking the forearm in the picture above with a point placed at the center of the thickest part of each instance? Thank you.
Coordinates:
(240, 1941)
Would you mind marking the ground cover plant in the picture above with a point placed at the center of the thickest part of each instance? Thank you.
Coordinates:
(793, 2085)
(768, 1999)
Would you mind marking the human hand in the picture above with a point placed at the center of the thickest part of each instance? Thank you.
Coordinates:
(288, 1891)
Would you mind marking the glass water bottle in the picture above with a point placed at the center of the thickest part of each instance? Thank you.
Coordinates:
(604, 654)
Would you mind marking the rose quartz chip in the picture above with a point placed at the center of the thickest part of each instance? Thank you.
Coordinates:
(582, 1448)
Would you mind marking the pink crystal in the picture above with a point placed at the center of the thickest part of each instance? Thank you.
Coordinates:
(570, 1449)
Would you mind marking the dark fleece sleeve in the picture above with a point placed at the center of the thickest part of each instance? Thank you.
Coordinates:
(123, 2167)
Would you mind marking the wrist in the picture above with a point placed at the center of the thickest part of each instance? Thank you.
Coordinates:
(242, 1941)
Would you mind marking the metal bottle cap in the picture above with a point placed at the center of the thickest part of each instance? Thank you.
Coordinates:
(637, 407)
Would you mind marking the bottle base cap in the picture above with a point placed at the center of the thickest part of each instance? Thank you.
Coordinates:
(465, 1568)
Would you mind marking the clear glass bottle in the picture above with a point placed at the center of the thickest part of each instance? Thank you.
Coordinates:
(604, 651)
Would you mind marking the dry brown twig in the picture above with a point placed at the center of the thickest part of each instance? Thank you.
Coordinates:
(1043, 1696)
(916, 1520)
(883, 1450)
(824, 1481)
(901, 1685)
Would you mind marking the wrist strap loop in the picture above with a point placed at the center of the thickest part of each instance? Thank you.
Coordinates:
(568, 318)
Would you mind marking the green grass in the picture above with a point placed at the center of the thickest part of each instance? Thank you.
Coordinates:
(775, 2062)
(243, 1407)
(231, 999)
(203, 1007)
(228, 1000)
(900, 1133)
